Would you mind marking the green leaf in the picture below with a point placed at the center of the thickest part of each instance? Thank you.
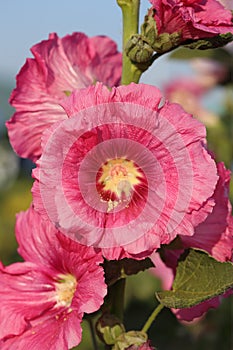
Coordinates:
(198, 277)
(117, 269)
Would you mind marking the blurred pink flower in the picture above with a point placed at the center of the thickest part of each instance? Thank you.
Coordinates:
(123, 173)
(209, 72)
(227, 3)
(214, 235)
(43, 299)
(194, 19)
(188, 93)
(59, 66)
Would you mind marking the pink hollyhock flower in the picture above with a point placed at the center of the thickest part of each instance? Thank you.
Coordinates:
(193, 19)
(123, 173)
(43, 299)
(214, 235)
(209, 72)
(188, 92)
(59, 66)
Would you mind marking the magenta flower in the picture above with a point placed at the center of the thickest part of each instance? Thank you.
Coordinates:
(193, 19)
(188, 92)
(214, 235)
(43, 299)
(123, 173)
(59, 66)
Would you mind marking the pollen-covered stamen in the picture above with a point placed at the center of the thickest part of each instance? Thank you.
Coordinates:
(117, 181)
(65, 289)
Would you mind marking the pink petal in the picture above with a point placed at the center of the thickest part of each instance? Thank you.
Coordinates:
(48, 333)
(26, 292)
(215, 234)
(41, 243)
(167, 144)
(37, 239)
(162, 271)
(59, 66)
(193, 19)
(189, 314)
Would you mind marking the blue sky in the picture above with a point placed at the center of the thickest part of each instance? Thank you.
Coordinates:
(24, 23)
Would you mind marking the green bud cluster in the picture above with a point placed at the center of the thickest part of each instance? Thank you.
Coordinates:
(141, 47)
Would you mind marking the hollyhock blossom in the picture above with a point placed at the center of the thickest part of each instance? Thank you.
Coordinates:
(43, 299)
(188, 93)
(59, 66)
(214, 235)
(193, 19)
(123, 173)
(210, 72)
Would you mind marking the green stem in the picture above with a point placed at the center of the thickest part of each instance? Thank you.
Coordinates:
(116, 298)
(92, 331)
(130, 18)
(152, 318)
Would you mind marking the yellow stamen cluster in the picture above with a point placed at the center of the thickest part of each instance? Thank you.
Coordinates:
(119, 176)
(65, 289)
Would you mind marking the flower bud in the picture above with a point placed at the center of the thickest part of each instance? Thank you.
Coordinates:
(109, 328)
(138, 50)
(148, 28)
(126, 340)
(165, 42)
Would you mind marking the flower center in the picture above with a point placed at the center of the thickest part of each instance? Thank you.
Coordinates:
(116, 182)
(65, 289)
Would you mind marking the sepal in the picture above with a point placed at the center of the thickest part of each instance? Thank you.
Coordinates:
(211, 43)
(125, 340)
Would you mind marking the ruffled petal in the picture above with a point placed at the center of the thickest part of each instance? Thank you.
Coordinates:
(59, 66)
(215, 234)
(27, 291)
(192, 19)
(177, 175)
(48, 332)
